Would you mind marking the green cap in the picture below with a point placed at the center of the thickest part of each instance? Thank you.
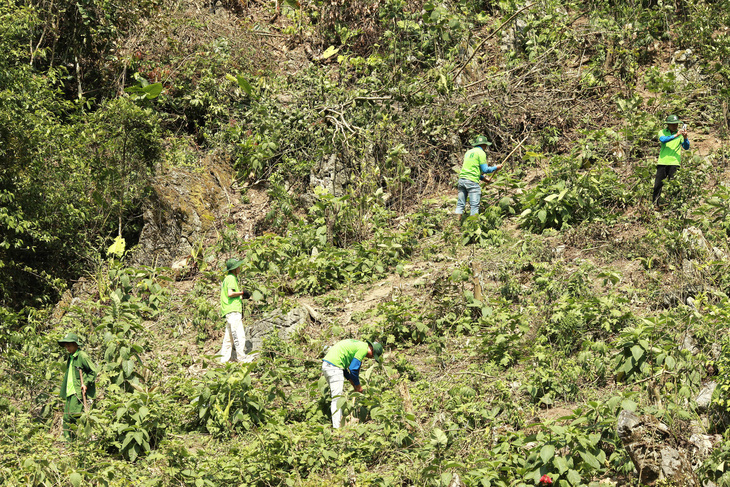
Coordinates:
(480, 140)
(232, 264)
(377, 349)
(672, 119)
(70, 338)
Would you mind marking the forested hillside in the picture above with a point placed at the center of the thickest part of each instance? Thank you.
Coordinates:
(143, 143)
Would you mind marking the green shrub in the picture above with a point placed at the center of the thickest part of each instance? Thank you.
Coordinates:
(135, 423)
(225, 401)
(483, 229)
(569, 198)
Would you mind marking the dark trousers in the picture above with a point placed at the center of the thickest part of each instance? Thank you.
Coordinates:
(662, 173)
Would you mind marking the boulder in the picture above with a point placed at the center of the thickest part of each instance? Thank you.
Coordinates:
(650, 445)
(701, 446)
(331, 173)
(278, 322)
(704, 398)
(698, 245)
(689, 343)
(184, 206)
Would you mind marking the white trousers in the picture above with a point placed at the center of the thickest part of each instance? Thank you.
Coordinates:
(336, 379)
(234, 339)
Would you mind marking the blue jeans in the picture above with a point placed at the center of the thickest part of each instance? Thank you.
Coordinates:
(473, 191)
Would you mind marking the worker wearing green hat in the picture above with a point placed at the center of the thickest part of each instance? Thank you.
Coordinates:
(670, 141)
(78, 386)
(343, 361)
(234, 339)
(472, 171)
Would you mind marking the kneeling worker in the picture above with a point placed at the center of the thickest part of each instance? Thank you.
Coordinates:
(343, 361)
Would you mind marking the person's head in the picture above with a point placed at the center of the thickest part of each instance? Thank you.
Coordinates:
(672, 122)
(375, 350)
(70, 342)
(481, 141)
(233, 266)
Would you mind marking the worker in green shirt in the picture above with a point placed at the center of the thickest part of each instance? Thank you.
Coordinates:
(343, 361)
(670, 140)
(78, 385)
(232, 310)
(472, 171)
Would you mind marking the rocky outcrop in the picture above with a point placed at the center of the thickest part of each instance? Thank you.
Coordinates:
(654, 451)
(332, 174)
(704, 398)
(278, 322)
(183, 207)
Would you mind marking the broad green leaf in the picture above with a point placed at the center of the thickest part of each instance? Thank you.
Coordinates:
(590, 459)
(152, 91)
(637, 352)
(546, 453)
(628, 405)
(561, 464)
(244, 85)
(128, 368)
(117, 248)
(126, 441)
(573, 477)
(75, 479)
(439, 438)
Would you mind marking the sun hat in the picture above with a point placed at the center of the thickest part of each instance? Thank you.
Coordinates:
(377, 349)
(480, 140)
(232, 264)
(70, 338)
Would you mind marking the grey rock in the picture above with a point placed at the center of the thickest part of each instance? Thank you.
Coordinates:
(181, 210)
(704, 398)
(696, 240)
(331, 173)
(277, 322)
(649, 445)
(684, 56)
(689, 342)
(456, 481)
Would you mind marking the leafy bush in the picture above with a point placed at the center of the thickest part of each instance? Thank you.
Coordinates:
(483, 229)
(645, 348)
(569, 198)
(226, 403)
(134, 424)
(503, 331)
(573, 320)
(400, 323)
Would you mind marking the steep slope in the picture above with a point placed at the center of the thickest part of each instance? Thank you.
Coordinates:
(513, 340)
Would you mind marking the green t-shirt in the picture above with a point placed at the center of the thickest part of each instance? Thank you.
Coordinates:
(70, 389)
(230, 305)
(671, 152)
(473, 159)
(341, 353)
